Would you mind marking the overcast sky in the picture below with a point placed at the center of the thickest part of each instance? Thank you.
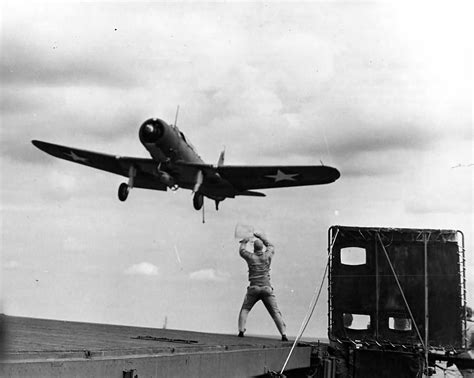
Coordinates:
(382, 91)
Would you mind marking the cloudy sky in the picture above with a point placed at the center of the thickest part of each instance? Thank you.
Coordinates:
(382, 91)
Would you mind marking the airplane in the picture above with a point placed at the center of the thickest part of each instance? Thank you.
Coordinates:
(175, 164)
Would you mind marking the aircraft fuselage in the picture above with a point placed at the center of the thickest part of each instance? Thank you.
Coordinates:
(166, 143)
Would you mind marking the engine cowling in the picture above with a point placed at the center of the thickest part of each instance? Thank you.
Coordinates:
(152, 130)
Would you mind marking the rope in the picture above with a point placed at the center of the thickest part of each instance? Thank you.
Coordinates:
(308, 315)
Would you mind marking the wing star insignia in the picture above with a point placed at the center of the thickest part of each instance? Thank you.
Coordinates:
(281, 176)
(75, 157)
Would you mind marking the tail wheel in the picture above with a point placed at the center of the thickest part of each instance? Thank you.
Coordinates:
(123, 191)
(198, 201)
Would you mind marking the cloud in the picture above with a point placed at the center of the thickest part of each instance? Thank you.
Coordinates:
(15, 102)
(59, 55)
(142, 269)
(73, 244)
(448, 192)
(210, 275)
(427, 207)
(65, 183)
(101, 126)
(11, 265)
(108, 81)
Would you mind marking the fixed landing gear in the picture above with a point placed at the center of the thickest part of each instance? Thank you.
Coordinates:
(124, 188)
(123, 191)
(198, 201)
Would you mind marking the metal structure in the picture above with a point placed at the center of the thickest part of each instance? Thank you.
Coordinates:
(397, 288)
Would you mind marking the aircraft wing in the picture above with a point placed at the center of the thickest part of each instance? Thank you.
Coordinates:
(244, 178)
(119, 165)
(266, 177)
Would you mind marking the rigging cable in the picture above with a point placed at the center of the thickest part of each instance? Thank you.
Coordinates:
(311, 308)
(327, 147)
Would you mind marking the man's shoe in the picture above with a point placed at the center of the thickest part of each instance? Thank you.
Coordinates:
(241, 334)
(284, 338)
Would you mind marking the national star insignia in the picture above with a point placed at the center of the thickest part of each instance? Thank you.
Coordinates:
(75, 157)
(281, 176)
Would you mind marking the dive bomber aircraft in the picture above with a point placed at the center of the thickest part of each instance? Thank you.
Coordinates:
(175, 164)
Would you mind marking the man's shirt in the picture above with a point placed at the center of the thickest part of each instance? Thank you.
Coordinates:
(258, 263)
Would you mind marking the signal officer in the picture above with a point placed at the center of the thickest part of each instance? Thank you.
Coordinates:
(260, 287)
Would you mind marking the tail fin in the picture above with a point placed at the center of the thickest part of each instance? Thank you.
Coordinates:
(220, 162)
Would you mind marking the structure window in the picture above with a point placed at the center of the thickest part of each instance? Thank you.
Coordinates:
(356, 321)
(353, 256)
(399, 324)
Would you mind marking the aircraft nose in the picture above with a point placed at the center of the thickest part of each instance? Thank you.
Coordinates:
(151, 131)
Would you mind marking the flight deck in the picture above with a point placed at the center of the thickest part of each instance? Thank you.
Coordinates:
(52, 348)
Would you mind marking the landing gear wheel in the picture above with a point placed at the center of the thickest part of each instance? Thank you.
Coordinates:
(198, 201)
(123, 191)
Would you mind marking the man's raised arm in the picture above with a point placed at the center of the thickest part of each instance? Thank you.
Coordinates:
(243, 248)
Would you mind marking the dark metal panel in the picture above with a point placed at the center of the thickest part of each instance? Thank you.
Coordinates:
(377, 364)
(373, 290)
(445, 304)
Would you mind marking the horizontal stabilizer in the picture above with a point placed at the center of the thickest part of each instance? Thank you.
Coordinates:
(251, 193)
